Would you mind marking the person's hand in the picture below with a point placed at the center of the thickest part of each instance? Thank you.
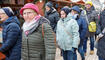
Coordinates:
(100, 35)
(74, 49)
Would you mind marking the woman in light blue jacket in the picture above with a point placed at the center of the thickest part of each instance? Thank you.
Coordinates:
(67, 34)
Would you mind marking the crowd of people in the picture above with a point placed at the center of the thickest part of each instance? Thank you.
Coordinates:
(35, 40)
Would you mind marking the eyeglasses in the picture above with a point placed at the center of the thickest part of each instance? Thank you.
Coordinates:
(28, 13)
(2, 13)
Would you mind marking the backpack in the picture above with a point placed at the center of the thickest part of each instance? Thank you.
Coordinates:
(92, 27)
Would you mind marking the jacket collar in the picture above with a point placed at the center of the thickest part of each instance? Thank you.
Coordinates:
(69, 17)
(10, 20)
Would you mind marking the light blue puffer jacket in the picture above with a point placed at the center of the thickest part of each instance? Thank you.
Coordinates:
(63, 34)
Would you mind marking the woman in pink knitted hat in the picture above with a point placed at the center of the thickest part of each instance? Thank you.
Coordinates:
(38, 39)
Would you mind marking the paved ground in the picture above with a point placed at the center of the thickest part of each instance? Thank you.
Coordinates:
(88, 56)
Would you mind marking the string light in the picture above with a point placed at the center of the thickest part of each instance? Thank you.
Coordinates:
(40, 0)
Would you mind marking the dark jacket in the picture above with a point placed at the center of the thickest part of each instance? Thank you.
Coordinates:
(11, 46)
(35, 46)
(101, 42)
(82, 29)
(92, 15)
(53, 17)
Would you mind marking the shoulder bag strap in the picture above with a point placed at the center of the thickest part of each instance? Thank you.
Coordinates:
(42, 31)
(53, 34)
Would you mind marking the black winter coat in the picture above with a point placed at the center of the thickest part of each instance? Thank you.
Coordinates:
(101, 42)
(53, 17)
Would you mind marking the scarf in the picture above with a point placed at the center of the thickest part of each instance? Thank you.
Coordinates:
(75, 16)
(28, 26)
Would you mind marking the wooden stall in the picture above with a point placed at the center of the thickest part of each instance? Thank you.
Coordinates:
(62, 3)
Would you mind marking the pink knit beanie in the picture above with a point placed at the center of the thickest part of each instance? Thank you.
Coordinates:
(29, 6)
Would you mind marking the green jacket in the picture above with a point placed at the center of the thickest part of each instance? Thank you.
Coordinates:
(35, 47)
